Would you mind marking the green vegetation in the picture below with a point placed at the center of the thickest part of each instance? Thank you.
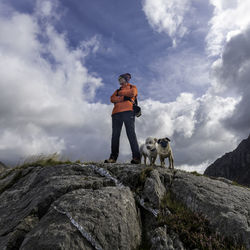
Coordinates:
(38, 160)
(196, 173)
(44, 160)
(192, 228)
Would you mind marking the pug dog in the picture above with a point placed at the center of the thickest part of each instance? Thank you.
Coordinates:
(164, 151)
(149, 150)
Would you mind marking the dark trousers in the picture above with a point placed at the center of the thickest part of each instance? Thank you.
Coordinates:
(128, 118)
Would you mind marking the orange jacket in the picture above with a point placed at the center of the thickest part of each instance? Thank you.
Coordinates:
(119, 104)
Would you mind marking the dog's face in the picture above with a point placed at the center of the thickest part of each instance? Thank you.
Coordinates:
(163, 142)
(151, 143)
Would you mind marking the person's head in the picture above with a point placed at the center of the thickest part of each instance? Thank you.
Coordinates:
(123, 79)
(128, 76)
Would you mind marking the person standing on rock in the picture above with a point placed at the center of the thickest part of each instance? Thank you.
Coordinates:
(123, 113)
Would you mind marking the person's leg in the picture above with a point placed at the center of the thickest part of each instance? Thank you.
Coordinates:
(116, 132)
(129, 120)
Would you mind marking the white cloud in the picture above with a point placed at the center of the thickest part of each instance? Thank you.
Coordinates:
(47, 10)
(47, 90)
(228, 40)
(231, 76)
(195, 126)
(18, 36)
(45, 87)
(230, 18)
(29, 140)
(200, 168)
(167, 16)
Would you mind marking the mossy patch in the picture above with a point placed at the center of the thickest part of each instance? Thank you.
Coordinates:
(193, 228)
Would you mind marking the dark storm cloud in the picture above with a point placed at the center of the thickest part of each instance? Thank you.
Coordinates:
(233, 73)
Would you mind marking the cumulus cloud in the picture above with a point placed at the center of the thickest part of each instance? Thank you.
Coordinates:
(167, 16)
(195, 126)
(230, 18)
(232, 74)
(45, 87)
(18, 143)
(228, 40)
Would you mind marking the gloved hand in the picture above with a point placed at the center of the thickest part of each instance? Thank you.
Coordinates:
(126, 98)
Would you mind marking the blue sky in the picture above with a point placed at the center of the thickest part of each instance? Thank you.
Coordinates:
(63, 59)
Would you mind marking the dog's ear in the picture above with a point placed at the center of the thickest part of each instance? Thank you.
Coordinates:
(155, 139)
(167, 139)
(159, 141)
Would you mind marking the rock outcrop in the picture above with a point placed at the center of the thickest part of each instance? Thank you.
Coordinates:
(66, 207)
(234, 166)
(113, 206)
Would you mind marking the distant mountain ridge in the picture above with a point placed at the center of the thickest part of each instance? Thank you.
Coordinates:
(234, 166)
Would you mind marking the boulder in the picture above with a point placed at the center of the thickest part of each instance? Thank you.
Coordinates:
(28, 194)
(105, 218)
(154, 189)
(226, 206)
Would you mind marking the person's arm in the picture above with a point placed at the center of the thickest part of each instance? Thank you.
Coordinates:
(116, 98)
(132, 92)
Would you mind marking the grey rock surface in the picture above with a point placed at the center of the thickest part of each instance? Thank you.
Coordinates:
(26, 209)
(234, 165)
(107, 216)
(226, 206)
(161, 240)
(73, 206)
(154, 190)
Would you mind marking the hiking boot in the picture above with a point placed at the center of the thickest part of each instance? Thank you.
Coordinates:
(135, 161)
(110, 160)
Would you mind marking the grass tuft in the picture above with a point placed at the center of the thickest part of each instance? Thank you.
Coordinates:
(39, 160)
(32, 161)
(44, 160)
(196, 173)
